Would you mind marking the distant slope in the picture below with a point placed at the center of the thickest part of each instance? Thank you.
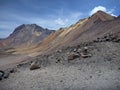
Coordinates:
(25, 35)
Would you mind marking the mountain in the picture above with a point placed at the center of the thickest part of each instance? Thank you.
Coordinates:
(85, 30)
(25, 35)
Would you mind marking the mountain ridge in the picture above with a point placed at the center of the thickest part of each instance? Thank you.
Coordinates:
(85, 30)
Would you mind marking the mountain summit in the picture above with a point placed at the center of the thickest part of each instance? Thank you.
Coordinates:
(26, 34)
(100, 15)
(29, 28)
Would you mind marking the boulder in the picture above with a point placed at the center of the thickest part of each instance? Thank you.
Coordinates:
(58, 61)
(85, 50)
(74, 50)
(60, 51)
(12, 70)
(1, 74)
(0, 78)
(34, 65)
(83, 55)
(6, 75)
(116, 40)
(72, 57)
(79, 50)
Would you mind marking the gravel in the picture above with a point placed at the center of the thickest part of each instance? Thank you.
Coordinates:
(99, 72)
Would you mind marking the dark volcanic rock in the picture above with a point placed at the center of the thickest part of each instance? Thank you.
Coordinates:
(1, 74)
(6, 75)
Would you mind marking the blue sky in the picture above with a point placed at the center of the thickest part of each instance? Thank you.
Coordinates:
(51, 14)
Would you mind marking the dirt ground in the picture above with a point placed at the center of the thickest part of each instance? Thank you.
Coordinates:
(8, 61)
(99, 72)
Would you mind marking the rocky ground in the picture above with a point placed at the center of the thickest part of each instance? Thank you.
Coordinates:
(100, 71)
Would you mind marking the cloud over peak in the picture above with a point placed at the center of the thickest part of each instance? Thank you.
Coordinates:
(102, 8)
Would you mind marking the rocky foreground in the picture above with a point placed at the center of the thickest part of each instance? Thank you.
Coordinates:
(68, 69)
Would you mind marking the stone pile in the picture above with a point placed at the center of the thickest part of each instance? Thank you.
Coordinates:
(108, 38)
(79, 53)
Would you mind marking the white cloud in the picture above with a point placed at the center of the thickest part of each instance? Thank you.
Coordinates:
(60, 21)
(95, 9)
(102, 8)
(66, 20)
(111, 12)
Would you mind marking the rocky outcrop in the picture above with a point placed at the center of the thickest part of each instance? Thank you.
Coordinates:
(108, 38)
(79, 53)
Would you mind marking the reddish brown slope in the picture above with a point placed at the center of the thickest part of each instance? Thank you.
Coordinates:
(96, 18)
(80, 27)
(85, 30)
(99, 30)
